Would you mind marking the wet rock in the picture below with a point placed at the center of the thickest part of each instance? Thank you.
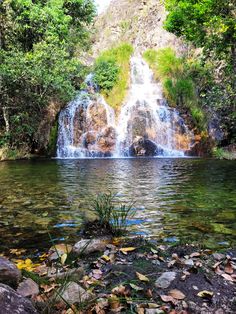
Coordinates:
(28, 288)
(74, 293)
(143, 147)
(9, 273)
(165, 280)
(88, 246)
(13, 303)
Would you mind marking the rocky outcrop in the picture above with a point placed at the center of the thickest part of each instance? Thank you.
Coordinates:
(13, 303)
(9, 273)
(137, 22)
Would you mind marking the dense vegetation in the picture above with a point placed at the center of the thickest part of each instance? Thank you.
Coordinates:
(179, 79)
(40, 44)
(211, 26)
(112, 73)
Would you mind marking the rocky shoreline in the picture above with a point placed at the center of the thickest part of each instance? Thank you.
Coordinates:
(120, 275)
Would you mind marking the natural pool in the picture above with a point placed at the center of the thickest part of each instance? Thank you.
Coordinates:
(176, 199)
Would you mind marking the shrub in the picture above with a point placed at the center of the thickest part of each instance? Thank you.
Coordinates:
(177, 77)
(106, 73)
(121, 55)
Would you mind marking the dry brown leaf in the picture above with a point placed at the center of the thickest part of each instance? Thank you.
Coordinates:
(218, 271)
(229, 268)
(121, 291)
(177, 294)
(48, 288)
(168, 298)
(136, 288)
(195, 254)
(227, 277)
(142, 277)
(149, 293)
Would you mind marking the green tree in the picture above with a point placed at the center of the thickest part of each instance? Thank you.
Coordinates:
(40, 44)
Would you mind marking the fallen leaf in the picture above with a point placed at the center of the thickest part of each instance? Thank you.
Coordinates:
(153, 305)
(195, 254)
(125, 250)
(121, 291)
(63, 258)
(106, 258)
(205, 294)
(149, 293)
(136, 288)
(168, 298)
(229, 268)
(154, 251)
(227, 277)
(177, 294)
(142, 277)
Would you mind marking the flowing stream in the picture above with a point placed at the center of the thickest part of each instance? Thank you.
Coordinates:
(145, 125)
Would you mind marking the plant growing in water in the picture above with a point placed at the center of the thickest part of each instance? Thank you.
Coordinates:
(111, 216)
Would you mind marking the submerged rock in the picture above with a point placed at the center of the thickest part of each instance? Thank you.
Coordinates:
(88, 246)
(9, 273)
(165, 280)
(13, 303)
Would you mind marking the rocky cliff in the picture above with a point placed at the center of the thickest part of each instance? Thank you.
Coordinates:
(139, 22)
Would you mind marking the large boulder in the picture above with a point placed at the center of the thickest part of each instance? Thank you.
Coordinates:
(13, 303)
(9, 273)
(143, 147)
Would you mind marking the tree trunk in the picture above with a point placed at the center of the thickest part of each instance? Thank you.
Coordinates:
(6, 118)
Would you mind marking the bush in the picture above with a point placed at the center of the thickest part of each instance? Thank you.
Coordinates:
(106, 73)
(177, 77)
(121, 55)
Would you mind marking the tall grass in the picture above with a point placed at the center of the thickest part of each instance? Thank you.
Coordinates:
(112, 215)
(175, 73)
(121, 54)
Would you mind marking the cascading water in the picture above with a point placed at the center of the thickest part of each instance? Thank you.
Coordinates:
(146, 126)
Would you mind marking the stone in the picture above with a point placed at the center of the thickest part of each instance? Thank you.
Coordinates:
(75, 274)
(189, 262)
(74, 293)
(88, 246)
(13, 303)
(28, 288)
(165, 280)
(218, 256)
(9, 273)
(153, 311)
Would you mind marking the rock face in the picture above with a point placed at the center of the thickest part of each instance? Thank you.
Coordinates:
(9, 274)
(13, 303)
(143, 147)
(137, 22)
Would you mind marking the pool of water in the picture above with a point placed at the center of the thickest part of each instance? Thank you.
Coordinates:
(175, 199)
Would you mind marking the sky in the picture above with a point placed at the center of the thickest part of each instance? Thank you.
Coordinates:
(102, 4)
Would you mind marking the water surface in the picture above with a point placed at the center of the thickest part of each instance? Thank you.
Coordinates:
(176, 199)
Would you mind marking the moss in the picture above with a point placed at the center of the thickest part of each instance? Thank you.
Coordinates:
(175, 73)
(52, 144)
(121, 54)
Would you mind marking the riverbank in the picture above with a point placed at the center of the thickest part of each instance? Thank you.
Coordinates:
(128, 276)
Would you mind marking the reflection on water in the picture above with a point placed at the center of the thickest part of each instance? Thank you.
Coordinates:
(175, 198)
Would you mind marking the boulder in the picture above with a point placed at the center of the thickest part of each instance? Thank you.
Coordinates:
(13, 303)
(9, 273)
(165, 280)
(143, 147)
(28, 288)
(88, 246)
(74, 293)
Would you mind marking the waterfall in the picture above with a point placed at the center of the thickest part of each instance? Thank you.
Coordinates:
(146, 125)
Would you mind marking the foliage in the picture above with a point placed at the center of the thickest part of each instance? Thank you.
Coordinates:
(176, 75)
(106, 73)
(211, 25)
(121, 56)
(39, 41)
(220, 153)
(110, 215)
